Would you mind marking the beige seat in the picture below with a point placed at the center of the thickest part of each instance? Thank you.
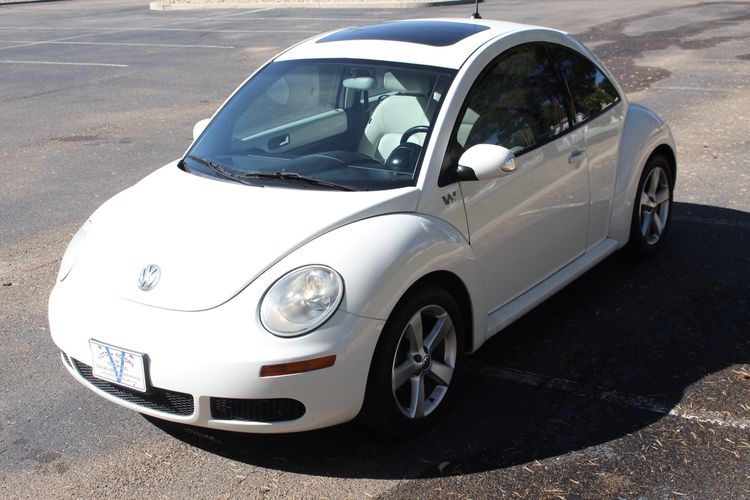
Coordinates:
(396, 113)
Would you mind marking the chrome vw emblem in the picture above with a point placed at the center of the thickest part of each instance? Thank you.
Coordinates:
(149, 277)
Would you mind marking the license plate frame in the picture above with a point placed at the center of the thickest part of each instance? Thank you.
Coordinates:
(119, 366)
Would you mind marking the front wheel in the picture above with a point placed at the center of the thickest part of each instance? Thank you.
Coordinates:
(652, 212)
(414, 365)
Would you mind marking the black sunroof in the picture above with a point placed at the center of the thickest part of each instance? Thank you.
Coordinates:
(435, 33)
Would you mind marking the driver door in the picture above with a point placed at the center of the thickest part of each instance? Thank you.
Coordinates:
(529, 224)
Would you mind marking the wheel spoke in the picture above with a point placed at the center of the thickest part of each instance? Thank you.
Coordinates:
(662, 196)
(414, 333)
(646, 224)
(440, 373)
(416, 405)
(438, 332)
(658, 224)
(403, 372)
(654, 184)
(645, 200)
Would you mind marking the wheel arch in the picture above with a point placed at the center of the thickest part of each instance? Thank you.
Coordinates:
(452, 284)
(667, 152)
(644, 135)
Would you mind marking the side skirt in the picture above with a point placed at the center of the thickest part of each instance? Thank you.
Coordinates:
(519, 306)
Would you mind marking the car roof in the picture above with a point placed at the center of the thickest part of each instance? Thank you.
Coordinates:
(433, 42)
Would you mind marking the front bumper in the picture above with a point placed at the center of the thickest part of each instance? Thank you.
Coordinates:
(215, 356)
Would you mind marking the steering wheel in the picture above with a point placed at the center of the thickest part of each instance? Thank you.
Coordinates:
(413, 130)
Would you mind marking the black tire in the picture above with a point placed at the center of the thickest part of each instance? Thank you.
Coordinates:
(387, 409)
(652, 214)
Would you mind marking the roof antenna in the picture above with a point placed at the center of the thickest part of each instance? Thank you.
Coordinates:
(476, 15)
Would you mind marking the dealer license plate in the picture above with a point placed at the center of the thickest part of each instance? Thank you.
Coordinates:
(117, 365)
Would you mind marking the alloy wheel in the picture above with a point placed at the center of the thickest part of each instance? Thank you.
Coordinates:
(654, 206)
(424, 362)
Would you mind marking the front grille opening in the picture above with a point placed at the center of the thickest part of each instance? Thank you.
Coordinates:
(257, 410)
(173, 402)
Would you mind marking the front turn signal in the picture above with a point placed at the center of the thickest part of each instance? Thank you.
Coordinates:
(307, 365)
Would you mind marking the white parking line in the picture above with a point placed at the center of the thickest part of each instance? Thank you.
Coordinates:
(722, 60)
(693, 89)
(104, 31)
(123, 44)
(602, 394)
(204, 30)
(234, 14)
(347, 19)
(29, 44)
(2, 61)
(711, 417)
(107, 31)
(189, 20)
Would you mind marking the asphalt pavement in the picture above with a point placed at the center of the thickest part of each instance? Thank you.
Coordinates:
(633, 382)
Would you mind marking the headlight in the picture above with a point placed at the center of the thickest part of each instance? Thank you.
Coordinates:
(301, 301)
(71, 254)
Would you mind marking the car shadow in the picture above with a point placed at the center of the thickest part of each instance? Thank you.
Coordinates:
(641, 327)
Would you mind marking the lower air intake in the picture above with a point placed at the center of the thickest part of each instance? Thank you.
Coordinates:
(257, 410)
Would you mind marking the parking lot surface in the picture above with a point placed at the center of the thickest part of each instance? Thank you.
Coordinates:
(632, 382)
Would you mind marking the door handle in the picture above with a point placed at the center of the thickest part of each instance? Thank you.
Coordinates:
(278, 142)
(576, 156)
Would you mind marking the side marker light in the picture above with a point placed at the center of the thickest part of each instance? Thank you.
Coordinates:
(307, 365)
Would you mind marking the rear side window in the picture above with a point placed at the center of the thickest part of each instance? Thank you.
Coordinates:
(592, 92)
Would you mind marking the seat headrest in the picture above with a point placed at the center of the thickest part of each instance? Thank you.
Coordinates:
(300, 88)
(405, 82)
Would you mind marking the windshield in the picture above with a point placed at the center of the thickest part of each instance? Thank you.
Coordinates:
(353, 124)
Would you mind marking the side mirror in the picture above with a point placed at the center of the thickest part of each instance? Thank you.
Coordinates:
(484, 161)
(199, 127)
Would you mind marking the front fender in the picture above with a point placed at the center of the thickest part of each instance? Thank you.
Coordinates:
(644, 131)
(379, 258)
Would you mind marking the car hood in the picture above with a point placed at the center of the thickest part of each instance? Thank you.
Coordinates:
(212, 238)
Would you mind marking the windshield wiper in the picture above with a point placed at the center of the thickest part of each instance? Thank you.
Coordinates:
(286, 176)
(217, 168)
(293, 176)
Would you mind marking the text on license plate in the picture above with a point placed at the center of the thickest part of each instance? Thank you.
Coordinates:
(118, 365)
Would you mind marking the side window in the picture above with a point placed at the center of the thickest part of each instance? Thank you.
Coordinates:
(518, 104)
(592, 92)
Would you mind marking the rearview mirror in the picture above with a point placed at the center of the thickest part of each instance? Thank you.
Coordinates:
(359, 83)
(484, 161)
(200, 127)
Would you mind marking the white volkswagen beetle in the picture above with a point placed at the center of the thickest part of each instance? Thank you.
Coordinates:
(367, 207)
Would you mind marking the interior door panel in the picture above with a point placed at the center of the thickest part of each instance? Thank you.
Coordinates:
(299, 133)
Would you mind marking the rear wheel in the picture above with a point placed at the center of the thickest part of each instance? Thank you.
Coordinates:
(652, 211)
(414, 364)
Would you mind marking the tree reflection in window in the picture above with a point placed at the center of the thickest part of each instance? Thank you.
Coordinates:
(519, 102)
(592, 91)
